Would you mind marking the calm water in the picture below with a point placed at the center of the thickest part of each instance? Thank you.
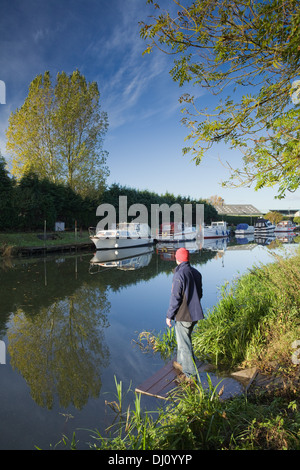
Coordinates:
(69, 326)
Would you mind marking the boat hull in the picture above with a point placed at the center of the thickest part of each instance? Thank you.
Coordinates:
(212, 233)
(263, 230)
(120, 243)
(243, 233)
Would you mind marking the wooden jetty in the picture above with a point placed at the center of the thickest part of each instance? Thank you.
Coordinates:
(163, 383)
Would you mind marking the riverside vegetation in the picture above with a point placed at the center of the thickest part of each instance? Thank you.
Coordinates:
(254, 324)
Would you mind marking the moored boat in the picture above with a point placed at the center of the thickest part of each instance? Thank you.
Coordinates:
(216, 230)
(123, 235)
(244, 229)
(263, 226)
(177, 231)
(285, 226)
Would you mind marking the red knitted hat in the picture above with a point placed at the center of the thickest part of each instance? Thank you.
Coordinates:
(182, 255)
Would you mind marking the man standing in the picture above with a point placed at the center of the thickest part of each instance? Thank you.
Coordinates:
(185, 308)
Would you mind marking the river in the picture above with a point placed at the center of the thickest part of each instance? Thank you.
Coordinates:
(69, 329)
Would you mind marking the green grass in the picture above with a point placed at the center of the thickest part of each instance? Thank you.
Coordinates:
(26, 239)
(196, 419)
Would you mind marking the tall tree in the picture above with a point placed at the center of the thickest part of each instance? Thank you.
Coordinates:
(250, 49)
(58, 133)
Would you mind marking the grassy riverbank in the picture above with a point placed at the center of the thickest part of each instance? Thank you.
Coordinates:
(254, 324)
(13, 243)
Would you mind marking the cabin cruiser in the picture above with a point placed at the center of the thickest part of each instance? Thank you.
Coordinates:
(285, 226)
(216, 230)
(263, 226)
(123, 235)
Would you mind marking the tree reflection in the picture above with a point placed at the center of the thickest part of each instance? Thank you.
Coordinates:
(61, 350)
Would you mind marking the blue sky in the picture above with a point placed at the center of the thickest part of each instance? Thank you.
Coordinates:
(145, 137)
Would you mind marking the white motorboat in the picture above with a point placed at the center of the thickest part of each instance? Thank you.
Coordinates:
(123, 235)
(244, 229)
(216, 230)
(263, 226)
(285, 226)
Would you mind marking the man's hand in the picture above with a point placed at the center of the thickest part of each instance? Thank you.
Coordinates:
(168, 322)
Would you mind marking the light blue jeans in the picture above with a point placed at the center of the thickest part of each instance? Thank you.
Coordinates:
(185, 354)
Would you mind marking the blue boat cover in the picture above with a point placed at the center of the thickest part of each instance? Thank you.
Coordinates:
(242, 226)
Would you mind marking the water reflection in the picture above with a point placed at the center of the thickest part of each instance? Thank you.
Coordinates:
(266, 239)
(67, 329)
(56, 333)
(54, 315)
(124, 259)
(167, 251)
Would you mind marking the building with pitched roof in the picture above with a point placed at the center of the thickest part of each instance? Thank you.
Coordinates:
(237, 210)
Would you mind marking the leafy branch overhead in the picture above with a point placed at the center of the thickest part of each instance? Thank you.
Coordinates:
(249, 50)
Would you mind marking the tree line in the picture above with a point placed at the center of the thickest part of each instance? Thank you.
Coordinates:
(25, 204)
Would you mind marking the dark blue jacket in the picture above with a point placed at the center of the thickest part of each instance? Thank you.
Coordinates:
(186, 293)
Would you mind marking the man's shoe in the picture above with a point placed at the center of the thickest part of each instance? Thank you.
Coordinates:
(183, 379)
(177, 366)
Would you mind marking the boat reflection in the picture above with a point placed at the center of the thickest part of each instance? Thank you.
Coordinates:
(287, 237)
(244, 239)
(166, 251)
(215, 244)
(281, 237)
(264, 239)
(124, 259)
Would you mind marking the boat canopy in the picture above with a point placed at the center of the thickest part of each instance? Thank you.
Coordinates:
(261, 220)
(242, 226)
